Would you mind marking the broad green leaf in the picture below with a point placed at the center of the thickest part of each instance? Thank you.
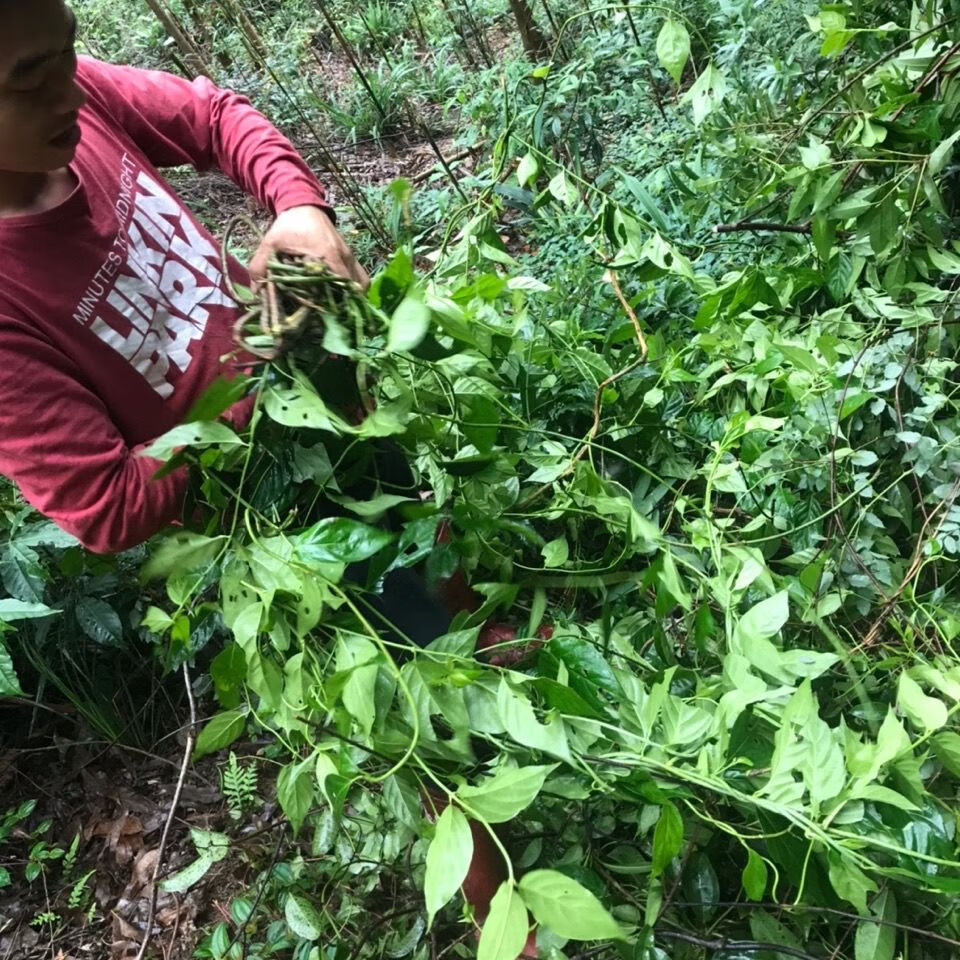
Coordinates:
(938, 160)
(701, 888)
(876, 941)
(567, 908)
(505, 930)
(200, 434)
(519, 720)
(156, 620)
(556, 552)
(9, 682)
(669, 578)
(501, 797)
(339, 540)
(181, 552)
(815, 154)
(527, 170)
(766, 618)
(326, 767)
(409, 323)
(303, 918)
(300, 406)
(210, 844)
(754, 876)
(667, 838)
(295, 791)
(448, 860)
(707, 93)
(220, 731)
(673, 48)
(189, 876)
(926, 713)
(13, 610)
(99, 621)
(849, 881)
(563, 190)
(945, 745)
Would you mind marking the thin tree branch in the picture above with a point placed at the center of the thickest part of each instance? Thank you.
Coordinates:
(187, 753)
(761, 226)
(731, 946)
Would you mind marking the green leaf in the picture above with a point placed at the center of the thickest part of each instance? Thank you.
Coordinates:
(567, 908)
(210, 844)
(667, 838)
(938, 160)
(448, 860)
(303, 918)
(754, 876)
(701, 888)
(12, 610)
(519, 720)
(876, 941)
(295, 787)
(673, 48)
(189, 876)
(156, 620)
(556, 552)
(501, 797)
(527, 170)
(409, 323)
(200, 434)
(563, 190)
(815, 155)
(9, 682)
(300, 406)
(221, 730)
(849, 881)
(99, 621)
(505, 930)
(945, 745)
(926, 713)
(763, 620)
(339, 540)
(706, 94)
(182, 552)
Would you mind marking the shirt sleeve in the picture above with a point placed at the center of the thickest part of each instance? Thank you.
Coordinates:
(175, 121)
(59, 445)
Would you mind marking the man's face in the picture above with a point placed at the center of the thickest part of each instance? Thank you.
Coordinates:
(39, 96)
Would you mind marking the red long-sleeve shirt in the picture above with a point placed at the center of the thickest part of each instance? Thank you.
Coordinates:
(114, 311)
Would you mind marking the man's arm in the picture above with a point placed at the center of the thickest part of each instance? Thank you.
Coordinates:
(58, 443)
(175, 121)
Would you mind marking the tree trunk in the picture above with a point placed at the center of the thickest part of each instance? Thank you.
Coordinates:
(533, 40)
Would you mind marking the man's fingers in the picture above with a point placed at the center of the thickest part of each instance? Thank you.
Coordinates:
(258, 265)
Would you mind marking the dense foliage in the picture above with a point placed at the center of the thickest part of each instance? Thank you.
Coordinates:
(674, 372)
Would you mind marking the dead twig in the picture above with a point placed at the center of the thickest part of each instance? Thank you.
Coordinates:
(174, 803)
(761, 226)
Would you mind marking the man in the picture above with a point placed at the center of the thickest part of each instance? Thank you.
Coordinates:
(114, 310)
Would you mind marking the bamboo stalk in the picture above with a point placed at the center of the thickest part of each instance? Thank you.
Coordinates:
(458, 31)
(633, 25)
(477, 34)
(344, 180)
(193, 60)
(425, 44)
(376, 40)
(555, 27)
(347, 48)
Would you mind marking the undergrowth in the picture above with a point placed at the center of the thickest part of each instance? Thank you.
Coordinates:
(672, 374)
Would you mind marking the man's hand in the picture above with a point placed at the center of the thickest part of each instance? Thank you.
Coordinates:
(307, 232)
